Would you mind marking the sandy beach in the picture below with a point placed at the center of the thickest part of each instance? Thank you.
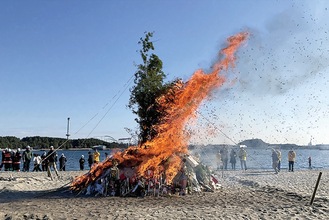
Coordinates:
(253, 194)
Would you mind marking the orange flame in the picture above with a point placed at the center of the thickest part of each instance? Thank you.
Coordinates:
(163, 153)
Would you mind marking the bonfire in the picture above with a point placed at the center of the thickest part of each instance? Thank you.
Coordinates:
(164, 160)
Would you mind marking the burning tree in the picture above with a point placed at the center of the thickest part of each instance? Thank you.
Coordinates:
(164, 154)
(149, 85)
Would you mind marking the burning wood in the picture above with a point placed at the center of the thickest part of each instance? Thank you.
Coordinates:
(120, 180)
(160, 162)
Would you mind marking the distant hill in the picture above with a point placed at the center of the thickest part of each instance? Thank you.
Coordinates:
(286, 146)
(258, 143)
(38, 142)
(255, 143)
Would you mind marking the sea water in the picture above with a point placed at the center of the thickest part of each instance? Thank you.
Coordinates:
(256, 158)
(262, 158)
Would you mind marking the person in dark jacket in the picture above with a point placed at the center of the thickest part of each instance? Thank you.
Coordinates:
(17, 160)
(90, 159)
(233, 155)
(27, 156)
(82, 162)
(62, 162)
(8, 162)
(2, 158)
(44, 161)
(51, 158)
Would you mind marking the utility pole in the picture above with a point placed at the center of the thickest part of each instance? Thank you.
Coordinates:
(68, 128)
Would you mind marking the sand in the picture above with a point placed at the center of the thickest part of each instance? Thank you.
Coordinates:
(253, 194)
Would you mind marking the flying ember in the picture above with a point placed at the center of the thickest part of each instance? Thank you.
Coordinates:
(163, 154)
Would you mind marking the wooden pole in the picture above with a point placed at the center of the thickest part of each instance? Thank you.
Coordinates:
(316, 187)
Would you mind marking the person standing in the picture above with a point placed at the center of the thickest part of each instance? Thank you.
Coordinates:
(90, 159)
(44, 164)
(62, 162)
(2, 158)
(51, 162)
(36, 162)
(275, 160)
(8, 162)
(310, 162)
(291, 159)
(243, 157)
(233, 158)
(27, 156)
(17, 160)
(96, 156)
(82, 162)
(224, 153)
(56, 158)
(279, 159)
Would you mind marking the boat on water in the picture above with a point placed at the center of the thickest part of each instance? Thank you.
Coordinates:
(99, 147)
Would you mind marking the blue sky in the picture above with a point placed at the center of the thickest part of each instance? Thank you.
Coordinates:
(76, 59)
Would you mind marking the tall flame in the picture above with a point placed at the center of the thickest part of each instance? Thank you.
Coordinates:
(163, 153)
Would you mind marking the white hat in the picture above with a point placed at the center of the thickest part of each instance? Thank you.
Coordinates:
(18, 149)
(82, 156)
(28, 147)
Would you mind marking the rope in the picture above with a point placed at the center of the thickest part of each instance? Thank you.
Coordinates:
(126, 85)
(253, 159)
(119, 96)
(48, 155)
(117, 99)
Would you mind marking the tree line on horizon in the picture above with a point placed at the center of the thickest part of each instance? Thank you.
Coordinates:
(38, 142)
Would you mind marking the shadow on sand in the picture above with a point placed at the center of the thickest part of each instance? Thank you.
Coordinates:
(12, 196)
